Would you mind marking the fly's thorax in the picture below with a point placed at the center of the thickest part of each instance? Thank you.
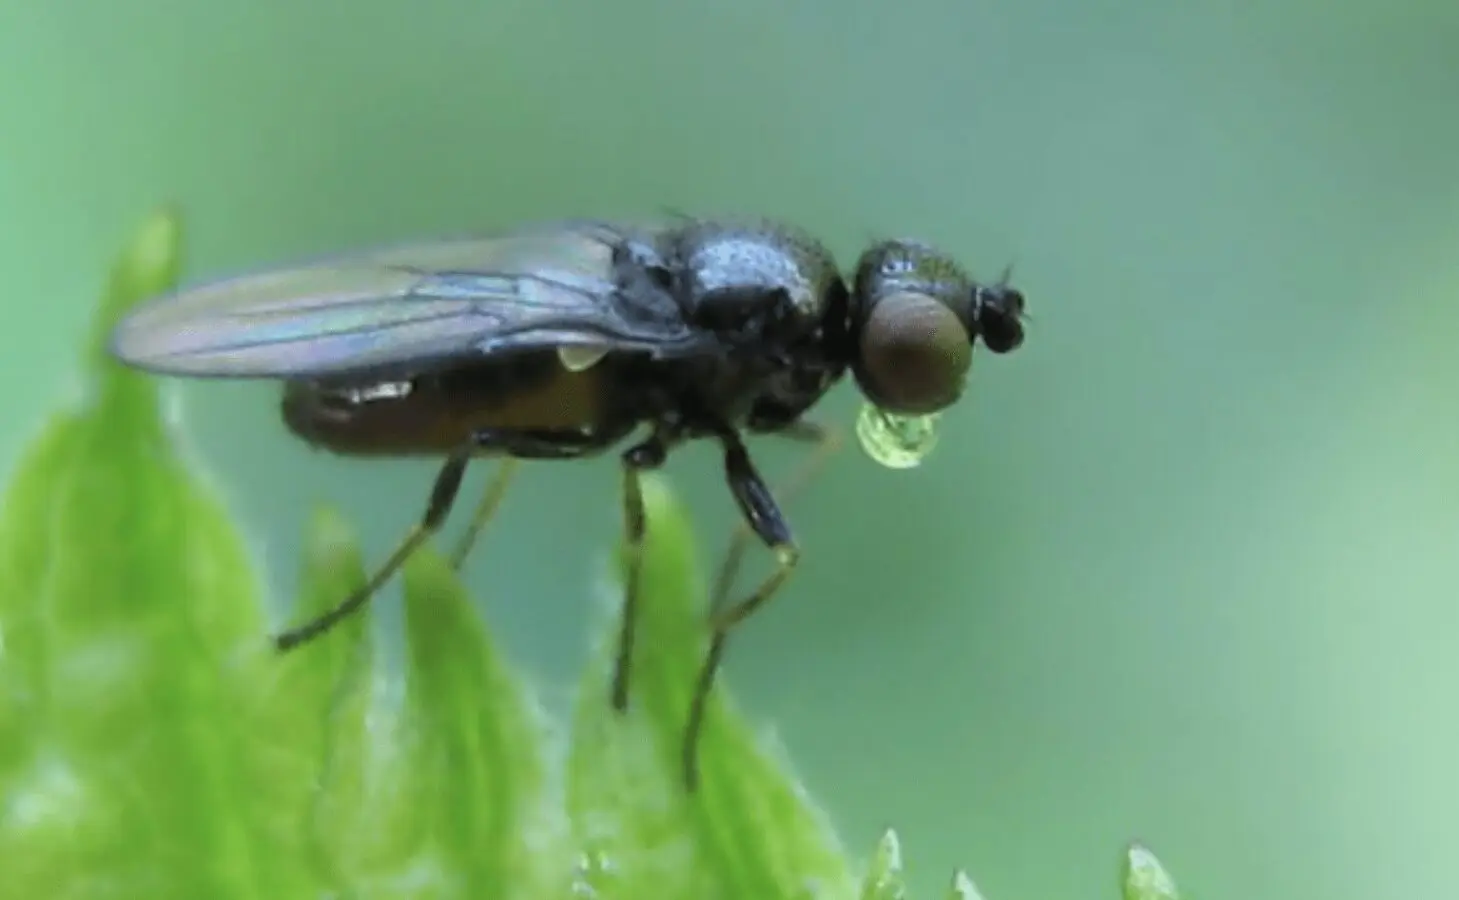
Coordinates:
(808, 368)
(788, 396)
(756, 284)
(773, 301)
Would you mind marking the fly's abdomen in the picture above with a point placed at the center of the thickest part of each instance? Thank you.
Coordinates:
(483, 406)
(389, 419)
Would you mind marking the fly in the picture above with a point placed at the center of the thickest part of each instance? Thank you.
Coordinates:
(568, 340)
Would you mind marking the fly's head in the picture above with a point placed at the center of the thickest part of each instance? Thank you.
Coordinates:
(915, 314)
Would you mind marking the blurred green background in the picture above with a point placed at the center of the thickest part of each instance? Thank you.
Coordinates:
(1183, 569)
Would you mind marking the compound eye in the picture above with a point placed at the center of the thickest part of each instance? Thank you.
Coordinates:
(914, 354)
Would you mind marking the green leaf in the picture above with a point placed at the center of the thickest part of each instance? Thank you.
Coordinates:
(883, 879)
(122, 586)
(309, 715)
(963, 888)
(477, 747)
(153, 745)
(749, 830)
(1144, 878)
(148, 266)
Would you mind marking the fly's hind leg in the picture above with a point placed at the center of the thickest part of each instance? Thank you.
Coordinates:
(491, 501)
(765, 519)
(443, 496)
(514, 446)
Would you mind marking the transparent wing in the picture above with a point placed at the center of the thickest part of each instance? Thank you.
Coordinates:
(404, 307)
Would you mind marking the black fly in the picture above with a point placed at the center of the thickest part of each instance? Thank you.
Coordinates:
(561, 342)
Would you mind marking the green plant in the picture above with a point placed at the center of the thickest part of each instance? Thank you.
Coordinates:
(152, 745)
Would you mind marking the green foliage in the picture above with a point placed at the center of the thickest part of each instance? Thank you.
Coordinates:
(1145, 878)
(152, 744)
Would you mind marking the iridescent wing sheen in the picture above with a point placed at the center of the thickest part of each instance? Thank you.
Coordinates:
(407, 308)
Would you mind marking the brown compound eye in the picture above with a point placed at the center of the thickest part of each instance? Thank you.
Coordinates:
(914, 354)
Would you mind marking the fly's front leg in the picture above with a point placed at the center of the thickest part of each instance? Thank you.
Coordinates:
(641, 457)
(824, 442)
(443, 495)
(764, 517)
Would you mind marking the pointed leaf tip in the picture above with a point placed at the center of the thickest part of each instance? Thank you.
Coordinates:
(883, 879)
(889, 848)
(475, 744)
(151, 261)
(330, 535)
(149, 264)
(332, 567)
(963, 888)
(1145, 878)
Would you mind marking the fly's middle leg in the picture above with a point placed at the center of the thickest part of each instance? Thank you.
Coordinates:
(491, 501)
(637, 459)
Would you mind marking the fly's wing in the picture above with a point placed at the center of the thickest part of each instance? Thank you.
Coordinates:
(404, 308)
